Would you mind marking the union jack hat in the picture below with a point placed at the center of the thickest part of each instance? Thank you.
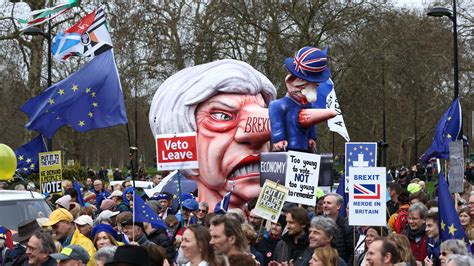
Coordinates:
(310, 64)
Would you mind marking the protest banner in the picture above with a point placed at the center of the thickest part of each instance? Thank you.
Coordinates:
(298, 171)
(359, 154)
(50, 170)
(271, 200)
(273, 167)
(176, 151)
(367, 196)
(302, 177)
(456, 167)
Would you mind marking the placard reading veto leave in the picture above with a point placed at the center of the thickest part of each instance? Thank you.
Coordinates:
(302, 175)
(176, 151)
(367, 196)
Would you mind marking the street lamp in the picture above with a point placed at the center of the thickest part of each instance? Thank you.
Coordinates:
(33, 31)
(444, 12)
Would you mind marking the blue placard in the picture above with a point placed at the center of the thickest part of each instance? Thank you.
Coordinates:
(360, 154)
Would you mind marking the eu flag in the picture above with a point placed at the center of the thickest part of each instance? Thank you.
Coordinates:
(27, 155)
(359, 154)
(450, 226)
(144, 213)
(88, 99)
(447, 130)
(77, 187)
(223, 205)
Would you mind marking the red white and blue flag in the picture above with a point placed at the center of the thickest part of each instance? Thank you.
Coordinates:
(88, 37)
(366, 191)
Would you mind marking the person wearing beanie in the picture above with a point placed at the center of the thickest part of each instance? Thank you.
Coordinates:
(61, 220)
(107, 204)
(104, 235)
(63, 202)
(268, 243)
(89, 197)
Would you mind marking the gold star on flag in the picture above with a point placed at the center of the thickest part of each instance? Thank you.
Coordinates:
(350, 153)
(32, 166)
(370, 153)
(88, 90)
(449, 118)
(452, 229)
(366, 148)
(51, 101)
(95, 104)
(74, 88)
(61, 92)
(448, 136)
(93, 95)
(25, 169)
(82, 123)
(361, 146)
(90, 114)
(355, 148)
(348, 160)
(20, 158)
(443, 225)
(28, 160)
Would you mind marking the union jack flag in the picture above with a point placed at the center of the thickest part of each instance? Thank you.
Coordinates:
(312, 65)
(366, 191)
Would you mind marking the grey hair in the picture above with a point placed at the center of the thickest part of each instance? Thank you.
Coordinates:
(460, 260)
(454, 245)
(204, 204)
(105, 254)
(327, 225)
(101, 220)
(47, 242)
(175, 101)
(339, 198)
(420, 208)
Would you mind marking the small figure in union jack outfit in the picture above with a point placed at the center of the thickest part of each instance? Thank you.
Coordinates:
(292, 119)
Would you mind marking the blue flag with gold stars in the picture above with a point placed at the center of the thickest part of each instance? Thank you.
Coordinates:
(27, 156)
(88, 99)
(144, 213)
(359, 154)
(450, 226)
(447, 130)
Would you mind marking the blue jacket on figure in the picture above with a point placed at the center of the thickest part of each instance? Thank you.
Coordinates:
(284, 123)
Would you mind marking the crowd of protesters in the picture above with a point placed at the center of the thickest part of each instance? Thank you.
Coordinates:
(104, 232)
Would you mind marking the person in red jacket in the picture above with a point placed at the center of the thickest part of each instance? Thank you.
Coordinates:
(416, 230)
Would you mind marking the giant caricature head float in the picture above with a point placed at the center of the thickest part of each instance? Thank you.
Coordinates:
(225, 102)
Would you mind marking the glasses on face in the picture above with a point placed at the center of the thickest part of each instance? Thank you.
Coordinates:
(471, 203)
(202, 211)
(445, 253)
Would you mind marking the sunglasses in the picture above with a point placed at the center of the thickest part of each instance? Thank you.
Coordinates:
(444, 253)
(202, 211)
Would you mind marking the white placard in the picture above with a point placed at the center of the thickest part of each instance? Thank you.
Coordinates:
(367, 196)
(302, 175)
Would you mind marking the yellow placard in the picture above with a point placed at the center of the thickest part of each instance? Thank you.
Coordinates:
(271, 200)
(51, 172)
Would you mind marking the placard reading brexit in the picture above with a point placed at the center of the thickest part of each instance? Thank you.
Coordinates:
(176, 151)
(367, 198)
(50, 168)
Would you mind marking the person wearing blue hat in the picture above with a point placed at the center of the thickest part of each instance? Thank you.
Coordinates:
(165, 200)
(292, 126)
(187, 217)
(104, 235)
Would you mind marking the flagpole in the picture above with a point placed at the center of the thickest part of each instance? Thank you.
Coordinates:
(180, 201)
(133, 218)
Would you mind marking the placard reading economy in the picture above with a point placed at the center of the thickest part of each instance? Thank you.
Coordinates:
(177, 151)
(302, 175)
(271, 200)
(51, 173)
(367, 198)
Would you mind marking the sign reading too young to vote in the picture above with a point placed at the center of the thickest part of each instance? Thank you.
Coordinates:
(50, 169)
(367, 196)
(177, 151)
(302, 175)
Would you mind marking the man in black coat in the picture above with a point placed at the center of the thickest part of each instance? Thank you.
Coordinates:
(160, 237)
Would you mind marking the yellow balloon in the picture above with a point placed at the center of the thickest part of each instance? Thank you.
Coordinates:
(7, 162)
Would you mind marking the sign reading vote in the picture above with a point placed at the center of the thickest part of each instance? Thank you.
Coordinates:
(302, 177)
(176, 151)
(359, 154)
(367, 196)
(298, 171)
(50, 170)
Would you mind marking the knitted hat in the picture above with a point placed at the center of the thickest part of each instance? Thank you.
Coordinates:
(89, 196)
(107, 204)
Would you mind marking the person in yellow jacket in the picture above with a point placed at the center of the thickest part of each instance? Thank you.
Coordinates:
(61, 220)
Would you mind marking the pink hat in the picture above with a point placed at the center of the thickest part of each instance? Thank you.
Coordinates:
(107, 204)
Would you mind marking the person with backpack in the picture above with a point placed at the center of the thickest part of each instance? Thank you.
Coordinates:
(398, 221)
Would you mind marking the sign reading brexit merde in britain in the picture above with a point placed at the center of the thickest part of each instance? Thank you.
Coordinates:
(367, 196)
(298, 171)
(51, 173)
(359, 154)
(177, 151)
(271, 200)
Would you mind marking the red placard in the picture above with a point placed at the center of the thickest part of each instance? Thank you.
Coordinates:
(176, 151)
